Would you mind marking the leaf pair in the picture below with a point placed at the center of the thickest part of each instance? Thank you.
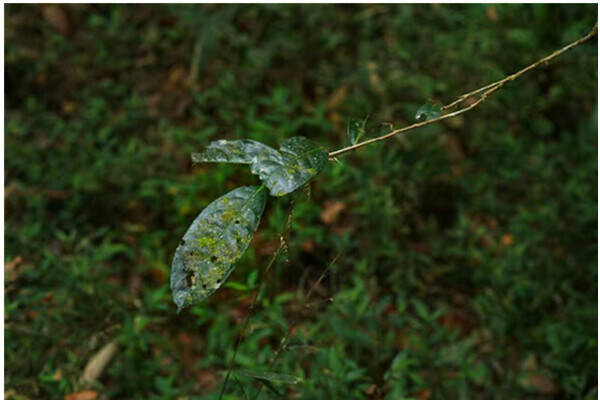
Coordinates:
(282, 172)
(222, 232)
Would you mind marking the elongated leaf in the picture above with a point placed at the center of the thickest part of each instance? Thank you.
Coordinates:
(244, 151)
(216, 239)
(270, 376)
(428, 111)
(298, 160)
(283, 171)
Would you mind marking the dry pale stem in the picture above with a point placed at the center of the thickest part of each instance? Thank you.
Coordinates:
(483, 93)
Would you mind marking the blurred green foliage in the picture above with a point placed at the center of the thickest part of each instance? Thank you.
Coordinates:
(467, 250)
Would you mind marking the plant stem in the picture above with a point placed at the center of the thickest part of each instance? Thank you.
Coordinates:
(247, 320)
(282, 245)
(485, 92)
(283, 342)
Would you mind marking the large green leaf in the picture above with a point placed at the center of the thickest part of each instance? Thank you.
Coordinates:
(243, 151)
(298, 160)
(283, 171)
(216, 239)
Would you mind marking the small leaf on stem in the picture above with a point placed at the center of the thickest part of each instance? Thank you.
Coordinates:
(428, 111)
(356, 129)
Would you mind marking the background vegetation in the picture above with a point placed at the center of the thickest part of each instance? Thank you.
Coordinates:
(466, 251)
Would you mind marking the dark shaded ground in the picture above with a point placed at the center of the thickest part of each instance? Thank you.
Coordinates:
(467, 250)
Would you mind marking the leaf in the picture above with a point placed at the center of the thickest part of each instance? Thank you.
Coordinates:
(356, 129)
(217, 238)
(270, 376)
(421, 309)
(83, 395)
(331, 211)
(244, 151)
(283, 171)
(56, 16)
(428, 111)
(237, 286)
(537, 382)
(298, 160)
(99, 361)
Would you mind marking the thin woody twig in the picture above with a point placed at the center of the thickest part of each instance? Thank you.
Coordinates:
(283, 342)
(247, 320)
(282, 247)
(526, 69)
(483, 92)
